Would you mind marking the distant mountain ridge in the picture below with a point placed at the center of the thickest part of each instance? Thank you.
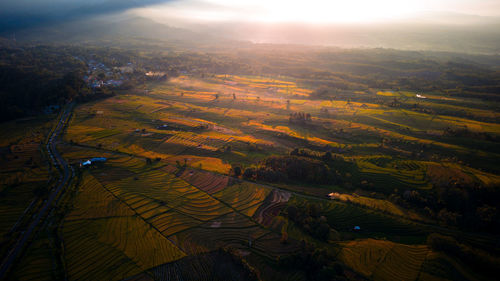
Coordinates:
(477, 35)
(103, 28)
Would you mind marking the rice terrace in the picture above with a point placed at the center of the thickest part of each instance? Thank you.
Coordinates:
(125, 158)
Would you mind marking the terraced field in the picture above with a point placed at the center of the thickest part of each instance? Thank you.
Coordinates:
(384, 260)
(40, 262)
(169, 197)
(243, 196)
(409, 174)
(126, 208)
(115, 240)
(271, 207)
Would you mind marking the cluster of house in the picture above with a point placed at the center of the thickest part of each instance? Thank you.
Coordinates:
(92, 160)
(333, 195)
(94, 81)
(129, 68)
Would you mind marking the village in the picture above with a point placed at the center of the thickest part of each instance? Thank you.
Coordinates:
(100, 75)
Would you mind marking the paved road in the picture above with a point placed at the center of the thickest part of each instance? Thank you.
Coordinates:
(57, 161)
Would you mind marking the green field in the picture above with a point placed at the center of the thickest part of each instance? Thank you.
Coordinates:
(167, 193)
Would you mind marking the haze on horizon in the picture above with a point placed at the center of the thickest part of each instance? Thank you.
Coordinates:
(471, 26)
(16, 12)
(316, 11)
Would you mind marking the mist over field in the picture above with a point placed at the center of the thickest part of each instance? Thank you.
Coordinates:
(249, 140)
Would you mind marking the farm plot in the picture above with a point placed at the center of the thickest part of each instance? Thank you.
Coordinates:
(94, 202)
(378, 204)
(170, 222)
(343, 217)
(383, 260)
(202, 206)
(180, 142)
(215, 237)
(115, 241)
(23, 169)
(407, 175)
(442, 173)
(216, 265)
(153, 185)
(272, 205)
(39, 262)
(15, 202)
(437, 266)
(74, 154)
(114, 248)
(133, 164)
(18, 197)
(167, 202)
(231, 220)
(205, 181)
(243, 196)
(270, 245)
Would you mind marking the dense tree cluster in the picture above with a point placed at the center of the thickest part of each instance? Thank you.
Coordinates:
(294, 168)
(466, 133)
(33, 78)
(299, 117)
(318, 263)
(311, 221)
(302, 165)
(466, 205)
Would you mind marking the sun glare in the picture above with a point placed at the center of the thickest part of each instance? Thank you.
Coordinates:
(329, 11)
(312, 11)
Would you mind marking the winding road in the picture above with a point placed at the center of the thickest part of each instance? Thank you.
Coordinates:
(66, 175)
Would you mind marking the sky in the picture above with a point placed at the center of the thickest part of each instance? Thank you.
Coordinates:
(17, 14)
(27, 13)
(314, 11)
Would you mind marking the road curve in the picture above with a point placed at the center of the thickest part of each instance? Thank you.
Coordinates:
(57, 161)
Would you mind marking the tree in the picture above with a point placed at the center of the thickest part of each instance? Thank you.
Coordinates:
(292, 212)
(313, 210)
(327, 156)
(237, 171)
(41, 191)
(249, 173)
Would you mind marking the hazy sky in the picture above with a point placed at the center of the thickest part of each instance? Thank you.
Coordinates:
(27, 13)
(15, 14)
(314, 11)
